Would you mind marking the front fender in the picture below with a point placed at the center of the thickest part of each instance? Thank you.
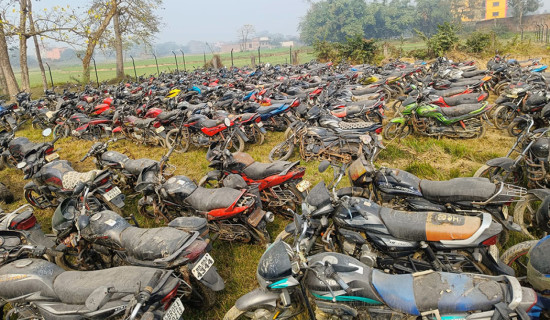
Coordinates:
(503, 162)
(398, 120)
(242, 134)
(257, 298)
(31, 186)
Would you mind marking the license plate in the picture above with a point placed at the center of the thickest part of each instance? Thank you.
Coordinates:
(202, 267)
(112, 194)
(108, 129)
(159, 129)
(260, 124)
(303, 185)
(51, 157)
(175, 311)
(49, 114)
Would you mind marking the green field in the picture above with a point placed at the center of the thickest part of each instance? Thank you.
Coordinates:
(106, 71)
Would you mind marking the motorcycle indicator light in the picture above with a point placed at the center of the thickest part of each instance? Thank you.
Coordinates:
(379, 130)
(25, 224)
(491, 241)
(167, 300)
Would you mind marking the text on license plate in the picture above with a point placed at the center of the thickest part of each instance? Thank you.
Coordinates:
(51, 157)
(159, 129)
(202, 267)
(175, 311)
(112, 193)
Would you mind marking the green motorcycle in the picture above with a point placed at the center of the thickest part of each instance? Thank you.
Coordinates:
(463, 121)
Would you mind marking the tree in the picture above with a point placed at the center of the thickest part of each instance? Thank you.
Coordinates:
(523, 7)
(5, 64)
(36, 45)
(244, 33)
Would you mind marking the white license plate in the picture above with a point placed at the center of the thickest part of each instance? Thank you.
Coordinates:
(202, 267)
(51, 157)
(159, 129)
(303, 185)
(49, 114)
(108, 129)
(260, 124)
(111, 194)
(175, 311)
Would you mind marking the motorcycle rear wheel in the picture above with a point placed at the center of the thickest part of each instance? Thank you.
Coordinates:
(516, 256)
(497, 174)
(524, 216)
(202, 297)
(503, 116)
(183, 145)
(60, 131)
(236, 144)
(396, 130)
(32, 198)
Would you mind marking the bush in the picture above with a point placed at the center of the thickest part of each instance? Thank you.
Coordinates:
(356, 50)
(440, 43)
(420, 54)
(478, 42)
(325, 51)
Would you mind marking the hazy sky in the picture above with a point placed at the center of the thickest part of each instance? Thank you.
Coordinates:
(219, 20)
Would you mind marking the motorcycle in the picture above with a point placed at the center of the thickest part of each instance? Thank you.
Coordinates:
(345, 288)
(401, 189)
(280, 183)
(103, 239)
(39, 289)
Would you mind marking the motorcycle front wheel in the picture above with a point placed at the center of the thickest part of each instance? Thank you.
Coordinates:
(183, 145)
(396, 130)
(282, 151)
(516, 256)
(524, 216)
(503, 116)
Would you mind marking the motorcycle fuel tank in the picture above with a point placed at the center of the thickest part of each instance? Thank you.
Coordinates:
(399, 183)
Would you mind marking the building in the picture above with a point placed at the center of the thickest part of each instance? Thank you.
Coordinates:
(495, 9)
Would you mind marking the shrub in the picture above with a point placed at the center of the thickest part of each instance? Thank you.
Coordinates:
(478, 42)
(356, 50)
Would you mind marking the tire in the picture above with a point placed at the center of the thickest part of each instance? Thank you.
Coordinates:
(516, 128)
(203, 297)
(516, 256)
(503, 116)
(260, 234)
(5, 194)
(8, 162)
(184, 140)
(282, 151)
(395, 130)
(60, 131)
(397, 106)
(236, 144)
(524, 215)
(233, 314)
(496, 174)
(258, 137)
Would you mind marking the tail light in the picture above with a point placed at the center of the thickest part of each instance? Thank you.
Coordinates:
(295, 103)
(195, 250)
(379, 130)
(491, 241)
(25, 224)
(49, 150)
(167, 300)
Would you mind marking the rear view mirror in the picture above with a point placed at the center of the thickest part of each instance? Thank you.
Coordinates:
(46, 132)
(323, 165)
(227, 122)
(21, 165)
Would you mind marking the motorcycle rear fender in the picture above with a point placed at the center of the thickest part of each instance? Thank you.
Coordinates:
(540, 193)
(398, 120)
(212, 279)
(503, 162)
(257, 298)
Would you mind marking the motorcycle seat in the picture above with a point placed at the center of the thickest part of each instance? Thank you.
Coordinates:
(474, 73)
(72, 178)
(74, 287)
(168, 114)
(449, 92)
(113, 156)
(203, 199)
(143, 123)
(429, 226)
(136, 166)
(258, 170)
(152, 243)
(21, 146)
(362, 91)
(460, 110)
(443, 291)
(267, 109)
(209, 123)
(462, 99)
(461, 83)
(458, 189)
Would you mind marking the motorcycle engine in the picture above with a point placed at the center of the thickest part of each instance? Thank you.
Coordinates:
(368, 256)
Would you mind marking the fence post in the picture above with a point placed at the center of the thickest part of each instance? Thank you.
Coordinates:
(176, 58)
(96, 77)
(183, 57)
(259, 58)
(232, 64)
(521, 33)
(156, 62)
(290, 54)
(134, 64)
(50, 71)
(204, 57)
(546, 40)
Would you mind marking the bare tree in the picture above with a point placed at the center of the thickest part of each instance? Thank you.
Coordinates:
(5, 64)
(523, 7)
(244, 33)
(36, 45)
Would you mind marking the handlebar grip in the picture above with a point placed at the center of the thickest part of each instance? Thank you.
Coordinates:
(153, 282)
(85, 157)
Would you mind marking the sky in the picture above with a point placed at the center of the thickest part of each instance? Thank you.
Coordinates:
(219, 20)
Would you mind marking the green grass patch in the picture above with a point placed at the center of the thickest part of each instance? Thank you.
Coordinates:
(421, 169)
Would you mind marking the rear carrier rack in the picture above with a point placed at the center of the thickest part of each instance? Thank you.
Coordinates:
(505, 194)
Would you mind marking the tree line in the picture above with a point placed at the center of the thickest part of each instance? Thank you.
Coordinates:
(100, 24)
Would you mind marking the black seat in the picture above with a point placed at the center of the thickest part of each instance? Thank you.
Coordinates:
(405, 225)
(460, 110)
(167, 114)
(154, 243)
(470, 98)
(209, 123)
(474, 73)
(449, 92)
(136, 166)
(267, 109)
(443, 291)
(143, 123)
(539, 257)
(458, 189)
(74, 287)
(258, 170)
(203, 199)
